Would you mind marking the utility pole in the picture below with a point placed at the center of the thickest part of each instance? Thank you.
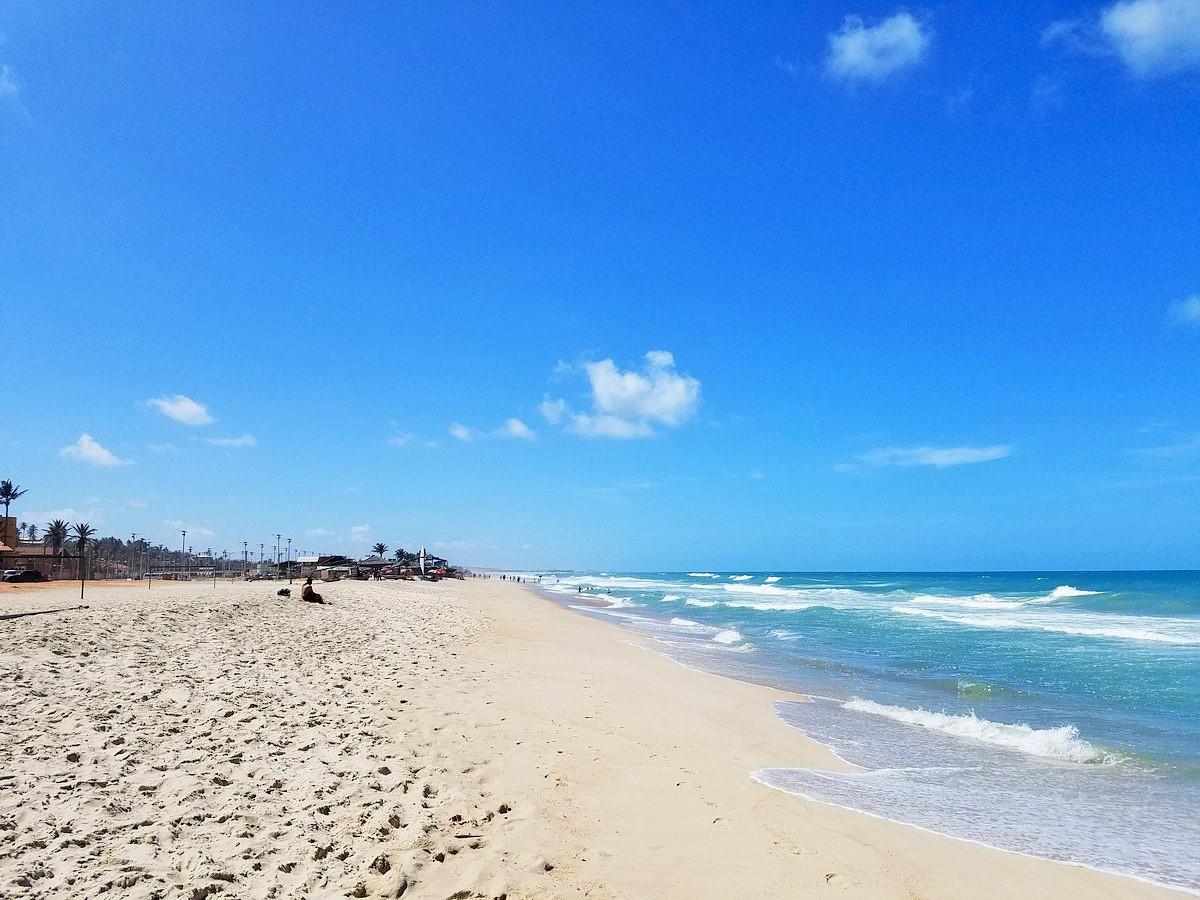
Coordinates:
(132, 541)
(245, 558)
(289, 560)
(183, 553)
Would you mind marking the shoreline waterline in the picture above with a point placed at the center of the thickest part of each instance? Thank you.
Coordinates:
(918, 783)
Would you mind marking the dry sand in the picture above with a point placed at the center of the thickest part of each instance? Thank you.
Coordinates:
(447, 740)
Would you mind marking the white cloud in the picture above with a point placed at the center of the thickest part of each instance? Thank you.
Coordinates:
(608, 426)
(937, 457)
(181, 409)
(1153, 38)
(462, 432)
(161, 448)
(246, 440)
(629, 404)
(318, 532)
(552, 410)
(400, 440)
(432, 445)
(88, 450)
(515, 428)
(858, 52)
(1185, 312)
(360, 532)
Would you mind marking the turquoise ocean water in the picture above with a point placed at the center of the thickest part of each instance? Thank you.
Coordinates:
(1051, 713)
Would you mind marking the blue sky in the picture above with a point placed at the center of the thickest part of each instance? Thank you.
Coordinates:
(627, 286)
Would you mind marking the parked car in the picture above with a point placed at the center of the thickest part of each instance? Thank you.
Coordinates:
(15, 576)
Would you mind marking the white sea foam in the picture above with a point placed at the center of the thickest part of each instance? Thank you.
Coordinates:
(974, 601)
(1123, 628)
(740, 577)
(693, 601)
(671, 598)
(686, 622)
(783, 634)
(770, 579)
(989, 601)
(1063, 591)
(782, 605)
(728, 636)
(1063, 742)
(702, 575)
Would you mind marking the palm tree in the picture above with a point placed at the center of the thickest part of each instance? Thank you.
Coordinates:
(9, 493)
(55, 536)
(83, 534)
(21, 528)
(32, 531)
(380, 549)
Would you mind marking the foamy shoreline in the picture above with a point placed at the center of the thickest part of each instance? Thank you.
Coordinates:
(424, 739)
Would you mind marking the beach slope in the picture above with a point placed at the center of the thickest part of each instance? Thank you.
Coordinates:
(419, 740)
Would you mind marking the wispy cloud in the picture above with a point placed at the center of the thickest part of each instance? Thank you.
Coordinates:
(318, 532)
(552, 411)
(246, 440)
(515, 428)
(360, 532)
(461, 432)
(875, 53)
(400, 440)
(512, 429)
(629, 403)
(66, 513)
(1153, 38)
(182, 409)
(88, 450)
(926, 455)
(1185, 312)
(194, 531)
(620, 491)
(8, 84)
(1186, 447)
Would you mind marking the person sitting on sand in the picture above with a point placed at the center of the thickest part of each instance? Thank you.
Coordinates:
(308, 595)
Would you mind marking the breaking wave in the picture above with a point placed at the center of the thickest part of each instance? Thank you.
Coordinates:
(1129, 628)
(1062, 742)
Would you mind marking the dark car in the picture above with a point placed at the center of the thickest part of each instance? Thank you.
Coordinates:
(27, 575)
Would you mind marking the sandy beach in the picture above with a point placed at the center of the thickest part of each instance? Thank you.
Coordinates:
(451, 740)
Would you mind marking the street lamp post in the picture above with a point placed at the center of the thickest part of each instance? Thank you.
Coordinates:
(183, 552)
(132, 541)
(289, 560)
(245, 558)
